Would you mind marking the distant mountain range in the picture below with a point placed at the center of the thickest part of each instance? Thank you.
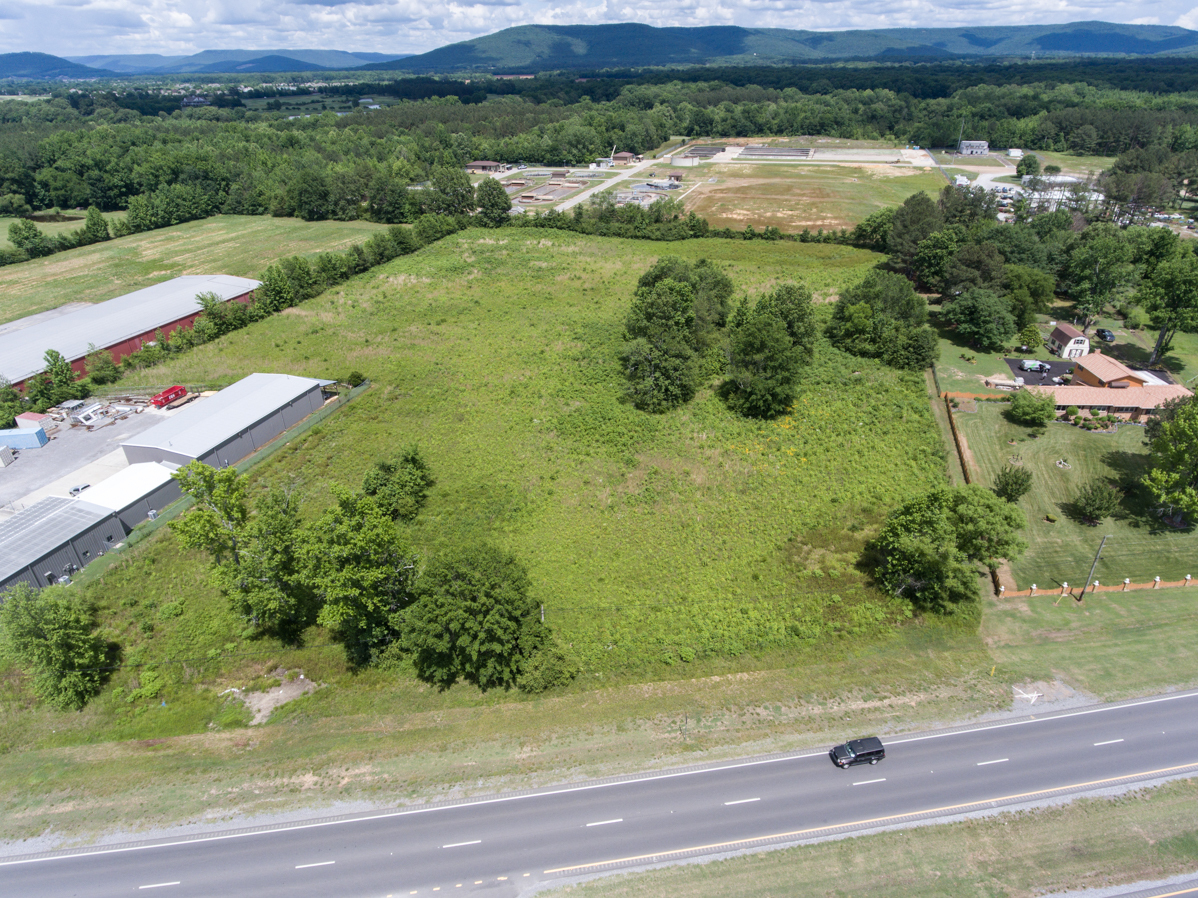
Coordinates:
(539, 48)
(535, 48)
(234, 61)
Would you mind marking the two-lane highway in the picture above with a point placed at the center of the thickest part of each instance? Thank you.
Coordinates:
(506, 843)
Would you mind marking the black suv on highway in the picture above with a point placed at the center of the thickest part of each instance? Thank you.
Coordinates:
(858, 751)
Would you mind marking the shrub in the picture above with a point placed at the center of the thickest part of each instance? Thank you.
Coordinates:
(1097, 499)
(549, 668)
(355, 378)
(1051, 518)
(1072, 411)
(1029, 409)
(1012, 483)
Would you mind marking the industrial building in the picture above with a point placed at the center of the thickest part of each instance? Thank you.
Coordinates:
(121, 326)
(974, 148)
(225, 428)
(47, 542)
(137, 492)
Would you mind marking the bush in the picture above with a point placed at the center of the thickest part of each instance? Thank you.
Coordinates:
(355, 378)
(549, 668)
(1032, 410)
(1012, 483)
(1097, 499)
(49, 633)
(1072, 411)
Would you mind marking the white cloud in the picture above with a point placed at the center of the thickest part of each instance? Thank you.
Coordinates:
(176, 27)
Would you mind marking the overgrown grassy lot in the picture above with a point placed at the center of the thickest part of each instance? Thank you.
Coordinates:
(1091, 843)
(793, 197)
(228, 244)
(1080, 166)
(1139, 548)
(670, 552)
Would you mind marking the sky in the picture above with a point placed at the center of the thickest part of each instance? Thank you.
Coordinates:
(182, 27)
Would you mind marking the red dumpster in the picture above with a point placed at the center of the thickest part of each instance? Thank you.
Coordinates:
(167, 396)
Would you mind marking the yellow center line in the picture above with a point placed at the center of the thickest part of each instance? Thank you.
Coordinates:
(874, 820)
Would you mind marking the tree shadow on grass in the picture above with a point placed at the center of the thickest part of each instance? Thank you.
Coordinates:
(1138, 507)
(1137, 356)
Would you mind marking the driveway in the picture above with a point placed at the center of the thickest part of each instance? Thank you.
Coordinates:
(1058, 369)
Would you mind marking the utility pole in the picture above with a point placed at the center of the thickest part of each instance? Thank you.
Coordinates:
(1090, 579)
(961, 136)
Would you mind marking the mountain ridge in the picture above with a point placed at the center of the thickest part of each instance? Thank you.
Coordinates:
(533, 48)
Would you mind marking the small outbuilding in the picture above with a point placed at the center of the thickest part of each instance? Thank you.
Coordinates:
(223, 429)
(625, 158)
(1068, 342)
(483, 167)
(52, 539)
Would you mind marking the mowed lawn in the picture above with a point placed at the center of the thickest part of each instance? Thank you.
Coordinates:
(239, 245)
(53, 228)
(1139, 547)
(793, 197)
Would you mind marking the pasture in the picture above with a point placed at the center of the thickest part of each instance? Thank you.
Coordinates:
(239, 245)
(794, 197)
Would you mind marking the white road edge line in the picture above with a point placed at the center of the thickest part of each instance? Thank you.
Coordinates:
(157, 885)
(867, 782)
(390, 815)
(460, 844)
(999, 761)
(742, 801)
(320, 864)
(1108, 742)
(605, 822)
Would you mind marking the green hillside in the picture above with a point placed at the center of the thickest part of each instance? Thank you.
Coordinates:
(43, 66)
(531, 48)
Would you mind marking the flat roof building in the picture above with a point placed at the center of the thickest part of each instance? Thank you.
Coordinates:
(225, 428)
(121, 325)
(136, 491)
(54, 538)
(974, 148)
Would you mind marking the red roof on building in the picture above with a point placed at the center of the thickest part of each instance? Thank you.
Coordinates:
(1063, 333)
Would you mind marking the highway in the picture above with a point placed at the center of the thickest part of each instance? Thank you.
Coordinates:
(501, 846)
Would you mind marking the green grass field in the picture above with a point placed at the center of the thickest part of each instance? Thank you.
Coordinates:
(1139, 548)
(793, 197)
(1076, 165)
(227, 244)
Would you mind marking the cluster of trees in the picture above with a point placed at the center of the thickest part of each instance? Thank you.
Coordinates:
(465, 614)
(83, 149)
(884, 318)
(681, 330)
(55, 385)
(29, 242)
(993, 279)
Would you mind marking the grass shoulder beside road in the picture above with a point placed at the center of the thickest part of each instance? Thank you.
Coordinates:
(239, 245)
(1090, 843)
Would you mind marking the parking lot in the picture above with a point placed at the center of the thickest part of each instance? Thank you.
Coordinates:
(1057, 368)
(72, 455)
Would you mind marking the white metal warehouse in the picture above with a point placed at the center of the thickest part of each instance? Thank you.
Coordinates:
(136, 491)
(54, 538)
(121, 325)
(225, 428)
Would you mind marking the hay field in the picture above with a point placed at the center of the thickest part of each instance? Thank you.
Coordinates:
(793, 197)
(241, 245)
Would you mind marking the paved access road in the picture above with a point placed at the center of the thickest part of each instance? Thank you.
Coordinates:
(500, 846)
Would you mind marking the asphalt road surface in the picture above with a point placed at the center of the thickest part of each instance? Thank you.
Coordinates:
(500, 846)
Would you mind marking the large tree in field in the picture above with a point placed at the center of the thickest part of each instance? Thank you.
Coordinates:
(1173, 478)
(49, 634)
(360, 570)
(982, 317)
(913, 222)
(763, 365)
(473, 619)
(1171, 298)
(929, 545)
(451, 193)
(217, 523)
(494, 205)
(659, 355)
(1097, 266)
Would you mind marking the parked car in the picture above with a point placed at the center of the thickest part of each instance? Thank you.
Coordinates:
(1105, 335)
(76, 490)
(1034, 365)
(868, 750)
